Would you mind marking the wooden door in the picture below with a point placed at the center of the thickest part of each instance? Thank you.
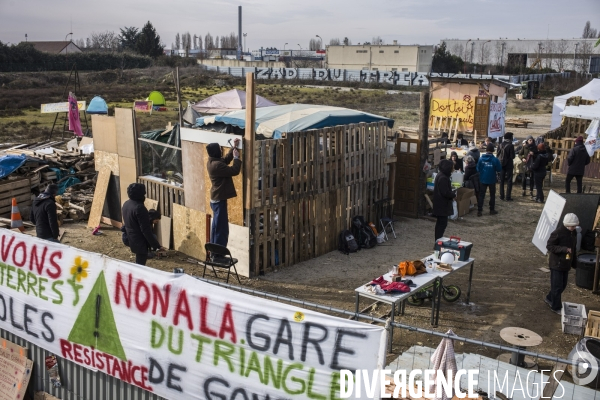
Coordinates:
(481, 116)
(406, 185)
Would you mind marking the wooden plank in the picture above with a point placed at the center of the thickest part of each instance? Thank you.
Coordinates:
(194, 158)
(15, 184)
(151, 204)
(163, 231)
(105, 133)
(99, 197)
(17, 192)
(127, 177)
(249, 139)
(108, 221)
(555, 377)
(125, 133)
(239, 246)
(189, 231)
(103, 158)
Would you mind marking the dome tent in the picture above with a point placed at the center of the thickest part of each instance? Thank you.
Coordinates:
(232, 100)
(97, 106)
(156, 98)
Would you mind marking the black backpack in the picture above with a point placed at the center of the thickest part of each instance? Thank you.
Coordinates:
(363, 233)
(346, 242)
(501, 155)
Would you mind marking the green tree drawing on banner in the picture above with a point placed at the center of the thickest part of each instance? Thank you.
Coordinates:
(95, 325)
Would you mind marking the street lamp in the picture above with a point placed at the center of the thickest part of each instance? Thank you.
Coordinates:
(284, 46)
(245, 34)
(502, 56)
(574, 61)
(483, 44)
(320, 41)
(67, 48)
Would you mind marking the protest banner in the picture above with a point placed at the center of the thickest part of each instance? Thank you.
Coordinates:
(60, 107)
(174, 335)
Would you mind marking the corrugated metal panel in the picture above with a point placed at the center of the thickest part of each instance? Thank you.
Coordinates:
(236, 71)
(79, 383)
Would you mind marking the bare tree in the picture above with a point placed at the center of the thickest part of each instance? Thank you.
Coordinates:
(187, 43)
(560, 55)
(588, 31)
(585, 52)
(314, 45)
(104, 40)
(548, 49)
(335, 42)
(497, 50)
(80, 43)
(177, 41)
(217, 42)
(88, 42)
(347, 42)
(377, 40)
(200, 44)
(208, 42)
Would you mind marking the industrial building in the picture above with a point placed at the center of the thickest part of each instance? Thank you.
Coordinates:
(394, 57)
(559, 54)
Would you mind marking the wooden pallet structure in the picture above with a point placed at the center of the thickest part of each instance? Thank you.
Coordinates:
(517, 122)
(308, 185)
(445, 124)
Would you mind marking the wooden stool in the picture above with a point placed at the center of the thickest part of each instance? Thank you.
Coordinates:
(521, 338)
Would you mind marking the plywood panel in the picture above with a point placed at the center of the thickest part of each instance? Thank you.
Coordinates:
(99, 197)
(235, 206)
(151, 204)
(239, 246)
(125, 132)
(163, 231)
(105, 134)
(128, 175)
(194, 158)
(189, 231)
(103, 158)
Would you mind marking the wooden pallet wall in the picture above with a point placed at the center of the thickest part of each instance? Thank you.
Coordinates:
(308, 186)
(166, 194)
(561, 148)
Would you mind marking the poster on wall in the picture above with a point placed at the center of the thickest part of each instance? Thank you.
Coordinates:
(450, 108)
(549, 220)
(172, 334)
(497, 119)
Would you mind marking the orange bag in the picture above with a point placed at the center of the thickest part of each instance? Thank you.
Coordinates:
(406, 268)
(373, 228)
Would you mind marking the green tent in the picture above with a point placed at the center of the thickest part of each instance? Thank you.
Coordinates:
(156, 98)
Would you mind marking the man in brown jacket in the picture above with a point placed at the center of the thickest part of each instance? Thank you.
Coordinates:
(221, 176)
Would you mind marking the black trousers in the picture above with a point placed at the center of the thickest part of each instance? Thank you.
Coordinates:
(440, 227)
(558, 284)
(539, 185)
(530, 175)
(482, 191)
(141, 258)
(579, 179)
(506, 176)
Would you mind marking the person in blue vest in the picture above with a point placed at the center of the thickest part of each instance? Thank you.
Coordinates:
(487, 166)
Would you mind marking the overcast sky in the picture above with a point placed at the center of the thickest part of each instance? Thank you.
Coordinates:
(275, 22)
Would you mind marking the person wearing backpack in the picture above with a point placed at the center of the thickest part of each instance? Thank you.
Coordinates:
(506, 155)
(527, 154)
(442, 197)
(488, 166)
(577, 160)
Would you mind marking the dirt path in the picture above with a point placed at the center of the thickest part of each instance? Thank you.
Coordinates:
(508, 286)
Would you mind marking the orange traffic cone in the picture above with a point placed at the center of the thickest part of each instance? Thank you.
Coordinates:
(15, 217)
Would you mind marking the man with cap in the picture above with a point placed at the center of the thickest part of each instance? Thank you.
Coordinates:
(138, 227)
(442, 197)
(488, 166)
(577, 160)
(562, 248)
(506, 155)
(221, 176)
(43, 214)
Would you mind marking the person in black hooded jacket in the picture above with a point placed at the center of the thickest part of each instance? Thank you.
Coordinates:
(577, 160)
(539, 171)
(442, 197)
(137, 224)
(43, 214)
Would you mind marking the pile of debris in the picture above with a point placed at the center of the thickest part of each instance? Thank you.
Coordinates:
(46, 163)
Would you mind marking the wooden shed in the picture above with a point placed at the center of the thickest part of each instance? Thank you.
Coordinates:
(468, 105)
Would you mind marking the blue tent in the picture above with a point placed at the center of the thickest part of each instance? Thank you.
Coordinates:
(271, 122)
(97, 106)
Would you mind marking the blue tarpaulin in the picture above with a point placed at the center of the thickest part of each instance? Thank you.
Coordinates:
(9, 163)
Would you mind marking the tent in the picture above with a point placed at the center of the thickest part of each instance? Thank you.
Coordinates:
(190, 115)
(271, 122)
(591, 91)
(156, 98)
(97, 106)
(232, 100)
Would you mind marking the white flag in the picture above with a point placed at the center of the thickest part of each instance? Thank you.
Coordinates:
(591, 143)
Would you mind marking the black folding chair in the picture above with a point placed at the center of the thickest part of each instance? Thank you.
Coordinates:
(220, 257)
(386, 216)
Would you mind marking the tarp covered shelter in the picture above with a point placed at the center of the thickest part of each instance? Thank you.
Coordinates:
(97, 106)
(232, 100)
(190, 115)
(272, 122)
(591, 91)
(156, 98)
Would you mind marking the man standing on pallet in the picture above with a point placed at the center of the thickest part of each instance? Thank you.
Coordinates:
(221, 176)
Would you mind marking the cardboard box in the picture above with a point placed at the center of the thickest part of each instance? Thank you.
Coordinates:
(463, 200)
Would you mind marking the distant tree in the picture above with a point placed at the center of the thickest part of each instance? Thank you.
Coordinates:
(104, 40)
(335, 42)
(208, 42)
(199, 43)
(377, 40)
(148, 42)
(589, 32)
(347, 42)
(443, 61)
(177, 41)
(195, 42)
(88, 42)
(217, 42)
(186, 42)
(314, 45)
(80, 43)
(128, 37)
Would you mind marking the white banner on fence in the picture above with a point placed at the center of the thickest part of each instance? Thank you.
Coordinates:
(172, 334)
(592, 143)
(496, 121)
(60, 107)
(549, 220)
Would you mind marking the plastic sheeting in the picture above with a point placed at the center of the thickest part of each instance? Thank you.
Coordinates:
(157, 159)
(10, 163)
(231, 100)
(591, 91)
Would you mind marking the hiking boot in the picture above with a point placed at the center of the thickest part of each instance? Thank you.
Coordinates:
(550, 305)
(523, 194)
(502, 198)
(539, 201)
(509, 199)
(479, 213)
(493, 212)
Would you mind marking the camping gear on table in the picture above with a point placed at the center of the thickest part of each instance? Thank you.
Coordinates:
(411, 268)
(390, 287)
(586, 265)
(461, 249)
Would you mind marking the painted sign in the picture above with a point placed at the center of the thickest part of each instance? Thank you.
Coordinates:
(142, 106)
(549, 220)
(272, 52)
(496, 122)
(172, 334)
(463, 109)
(592, 144)
(60, 107)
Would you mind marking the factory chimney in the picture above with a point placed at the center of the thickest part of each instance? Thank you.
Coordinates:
(239, 48)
